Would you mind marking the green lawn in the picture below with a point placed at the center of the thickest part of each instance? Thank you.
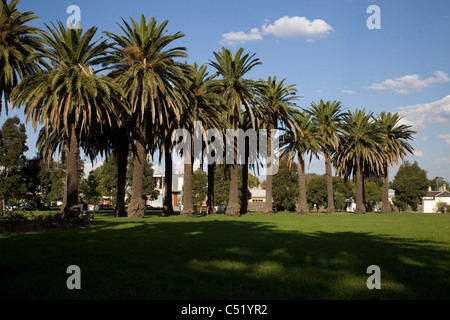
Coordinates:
(284, 256)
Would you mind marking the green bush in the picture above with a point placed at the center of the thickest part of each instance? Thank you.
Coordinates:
(12, 221)
(19, 222)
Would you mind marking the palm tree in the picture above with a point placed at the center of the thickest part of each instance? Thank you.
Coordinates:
(277, 107)
(149, 74)
(363, 153)
(206, 107)
(20, 46)
(328, 118)
(305, 140)
(238, 93)
(395, 147)
(245, 124)
(70, 99)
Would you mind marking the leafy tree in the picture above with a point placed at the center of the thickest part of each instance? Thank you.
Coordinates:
(438, 182)
(372, 193)
(344, 187)
(89, 188)
(339, 200)
(317, 192)
(253, 181)
(410, 185)
(285, 185)
(106, 176)
(149, 182)
(221, 184)
(12, 160)
(57, 174)
(199, 186)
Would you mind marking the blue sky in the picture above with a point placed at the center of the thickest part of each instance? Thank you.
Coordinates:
(322, 46)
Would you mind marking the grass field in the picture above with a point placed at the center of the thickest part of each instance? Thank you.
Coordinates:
(284, 256)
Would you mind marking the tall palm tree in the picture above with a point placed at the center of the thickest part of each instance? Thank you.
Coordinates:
(70, 97)
(245, 124)
(300, 143)
(363, 153)
(146, 68)
(20, 48)
(238, 93)
(395, 145)
(206, 107)
(328, 118)
(277, 106)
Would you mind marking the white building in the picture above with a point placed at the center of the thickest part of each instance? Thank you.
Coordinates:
(177, 191)
(432, 198)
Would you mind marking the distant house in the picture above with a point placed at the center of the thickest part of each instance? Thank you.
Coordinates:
(257, 199)
(432, 198)
(177, 191)
(350, 204)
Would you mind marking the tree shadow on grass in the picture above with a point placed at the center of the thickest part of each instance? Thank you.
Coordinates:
(212, 259)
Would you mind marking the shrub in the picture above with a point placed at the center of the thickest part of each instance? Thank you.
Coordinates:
(13, 221)
(19, 222)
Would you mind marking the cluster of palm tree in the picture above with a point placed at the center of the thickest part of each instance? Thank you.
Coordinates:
(358, 144)
(131, 91)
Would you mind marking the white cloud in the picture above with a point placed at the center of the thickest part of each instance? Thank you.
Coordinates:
(426, 138)
(89, 166)
(442, 161)
(422, 115)
(408, 83)
(347, 91)
(237, 37)
(292, 27)
(446, 138)
(285, 27)
(418, 154)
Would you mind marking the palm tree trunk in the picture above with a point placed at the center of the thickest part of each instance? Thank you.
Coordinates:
(244, 188)
(136, 209)
(268, 206)
(330, 197)
(210, 200)
(302, 204)
(385, 206)
(168, 206)
(234, 208)
(70, 201)
(122, 161)
(188, 208)
(360, 208)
